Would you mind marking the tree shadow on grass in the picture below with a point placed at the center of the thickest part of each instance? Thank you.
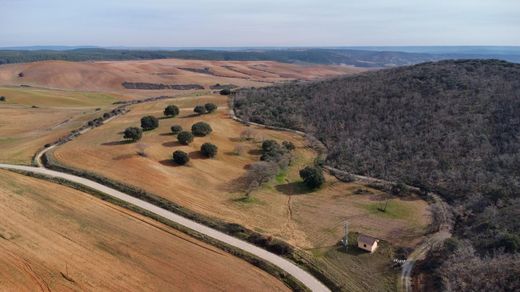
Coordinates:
(172, 144)
(197, 155)
(255, 152)
(294, 188)
(352, 249)
(170, 163)
(115, 143)
(166, 134)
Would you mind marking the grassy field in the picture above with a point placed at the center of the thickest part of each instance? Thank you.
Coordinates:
(56, 238)
(31, 118)
(54, 98)
(284, 208)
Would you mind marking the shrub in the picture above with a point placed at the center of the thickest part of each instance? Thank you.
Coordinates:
(239, 149)
(180, 157)
(209, 150)
(270, 145)
(225, 91)
(201, 129)
(399, 189)
(171, 111)
(248, 134)
(133, 133)
(200, 109)
(149, 123)
(210, 107)
(2, 98)
(176, 129)
(288, 145)
(272, 151)
(106, 115)
(185, 138)
(312, 176)
(258, 174)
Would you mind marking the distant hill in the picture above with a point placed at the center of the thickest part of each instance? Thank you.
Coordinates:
(451, 126)
(385, 57)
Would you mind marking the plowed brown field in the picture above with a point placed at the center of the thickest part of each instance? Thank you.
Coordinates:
(56, 238)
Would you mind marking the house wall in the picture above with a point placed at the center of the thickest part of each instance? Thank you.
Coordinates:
(370, 248)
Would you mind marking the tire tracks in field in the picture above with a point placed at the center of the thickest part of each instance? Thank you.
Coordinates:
(23, 265)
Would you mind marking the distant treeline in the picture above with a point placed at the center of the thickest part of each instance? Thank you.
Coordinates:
(452, 127)
(360, 58)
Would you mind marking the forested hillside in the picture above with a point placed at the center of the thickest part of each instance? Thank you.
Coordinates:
(452, 127)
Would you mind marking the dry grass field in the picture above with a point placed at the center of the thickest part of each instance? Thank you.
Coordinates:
(283, 208)
(108, 76)
(33, 117)
(56, 238)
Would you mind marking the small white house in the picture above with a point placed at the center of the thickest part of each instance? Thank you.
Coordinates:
(367, 243)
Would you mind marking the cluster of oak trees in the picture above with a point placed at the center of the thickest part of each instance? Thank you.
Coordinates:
(199, 129)
(452, 127)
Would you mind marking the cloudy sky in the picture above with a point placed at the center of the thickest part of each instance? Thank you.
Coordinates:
(206, 23)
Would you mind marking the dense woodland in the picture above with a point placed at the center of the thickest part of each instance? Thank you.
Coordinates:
(452, 127)
(359, 58)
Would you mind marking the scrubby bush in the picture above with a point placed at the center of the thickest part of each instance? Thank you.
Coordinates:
(200, 109)
(399, 189)
(201, 129)
(149, 123)
(133, 133)
(312, 176)
(210, 107)
(258, 174)
(239, 149)
(248, 134)
(185, 137)
(272, 151)
(176, 129)
(288, 145)
(209, 150)
(270, 145)
(180, 157)
(225, 91)
(2, 98)
(171, 111)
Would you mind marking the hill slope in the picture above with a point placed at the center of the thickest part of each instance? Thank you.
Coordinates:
(451, 126)
(110, 75)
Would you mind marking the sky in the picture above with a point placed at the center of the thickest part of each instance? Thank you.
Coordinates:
(255, 23)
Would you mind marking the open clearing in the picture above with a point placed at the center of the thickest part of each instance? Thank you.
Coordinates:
(56, 238)
(312, 221)
(283, 208)
(31, 118)
(108, 76)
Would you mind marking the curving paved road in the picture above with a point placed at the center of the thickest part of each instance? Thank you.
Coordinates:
(298, 273)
